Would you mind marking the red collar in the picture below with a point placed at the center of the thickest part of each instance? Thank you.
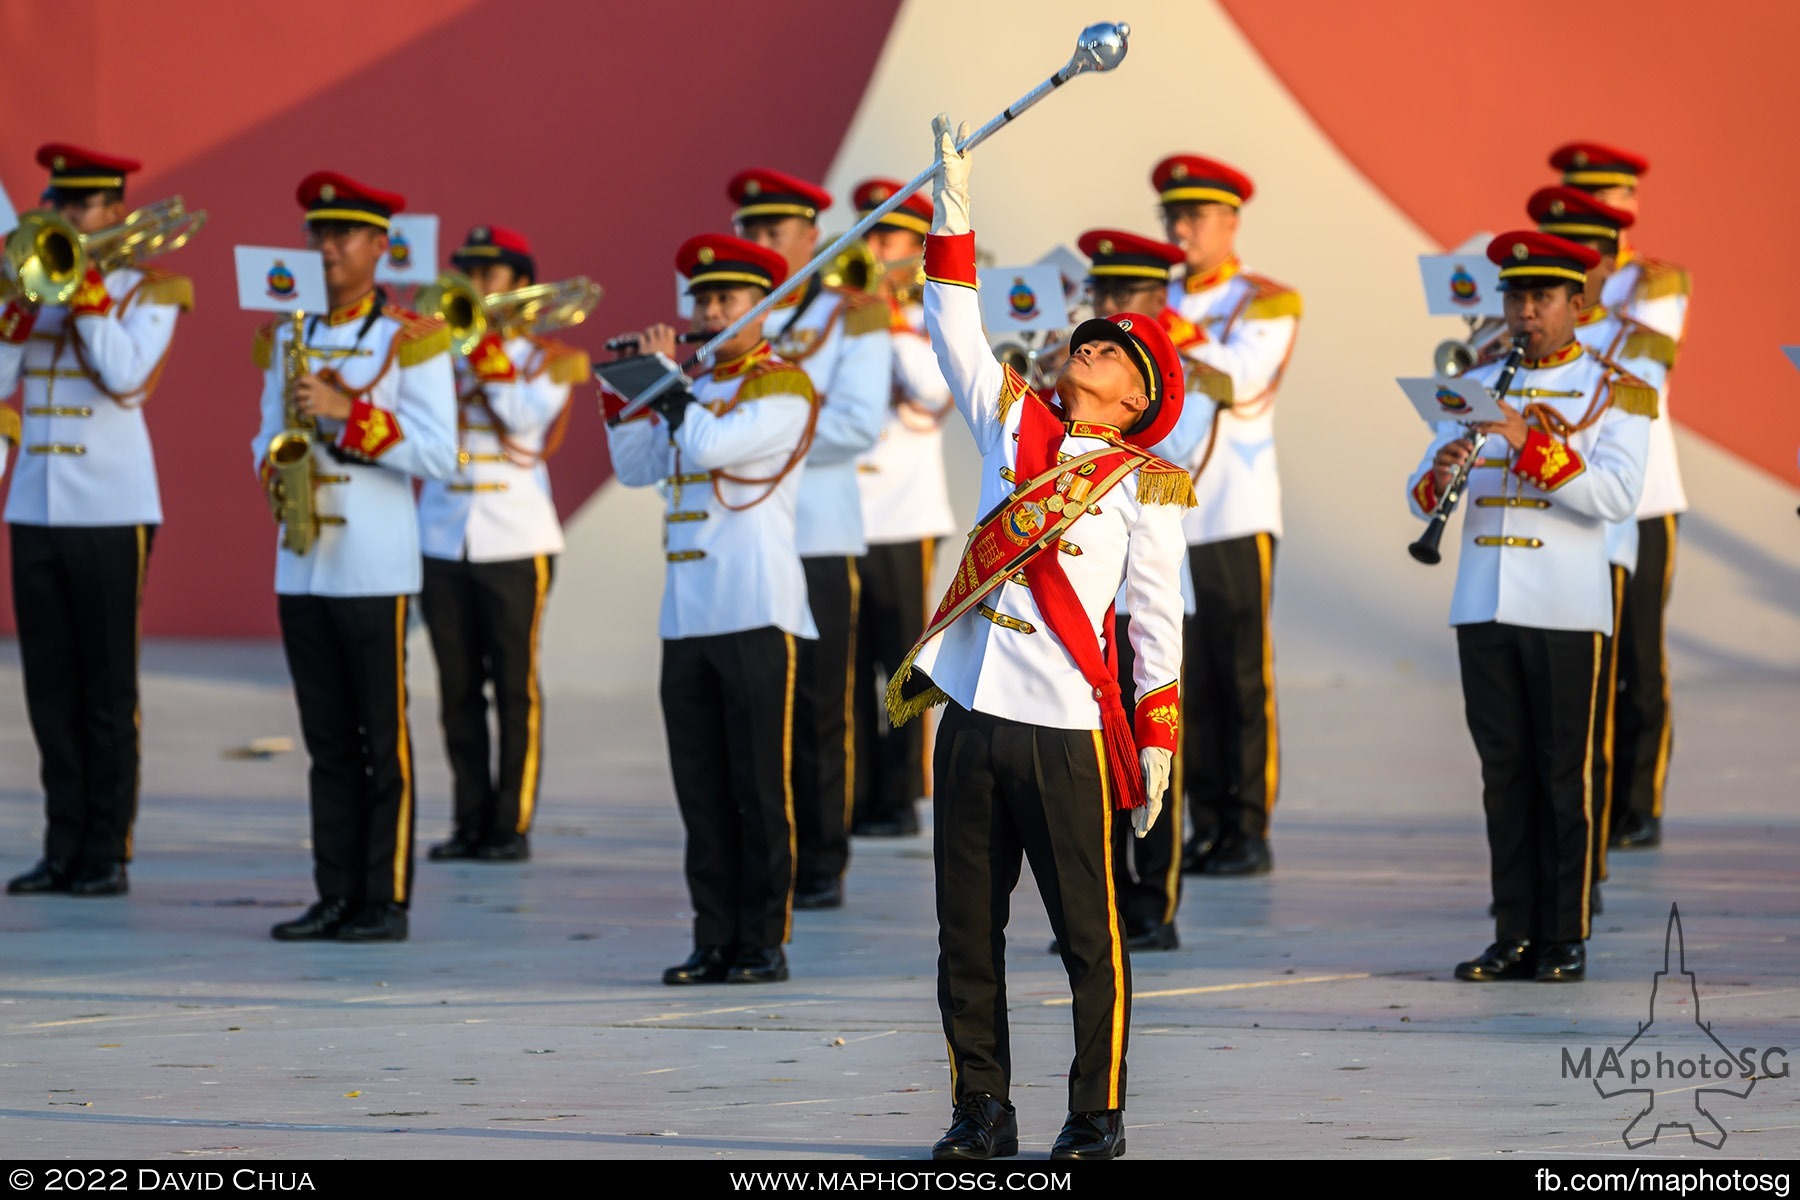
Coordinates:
(356, 310)
(761, 352)
(1556, 358)
(1094, 429)
(1213, 278)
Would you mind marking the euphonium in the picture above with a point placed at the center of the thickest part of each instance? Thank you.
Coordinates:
(47, 258)
(290, 454)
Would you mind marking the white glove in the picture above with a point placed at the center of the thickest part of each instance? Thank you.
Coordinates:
(1157, 763)
(950, 186)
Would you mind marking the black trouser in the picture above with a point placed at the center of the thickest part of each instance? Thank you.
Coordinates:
(484, 619)
(1529, 698)
(890, 762)
(1644, 730)
(77, 594)
(1005, 789)
(728, 712)
(1147, 870)
(1232, 743)
(1606, 706)
(347, 655)
(823, 747)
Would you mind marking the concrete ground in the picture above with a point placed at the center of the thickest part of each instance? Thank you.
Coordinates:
(1310, 1013)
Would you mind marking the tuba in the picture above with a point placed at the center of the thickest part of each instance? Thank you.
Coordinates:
(534, 309)
(46, 258)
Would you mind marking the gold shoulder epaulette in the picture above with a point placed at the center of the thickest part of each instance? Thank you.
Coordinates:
(776, 378)
(1627, 392)
(1271, 300)
(1012, 386)
(1211, 382)
(1644, 342)
(262, 348)
(420, 339)
(865, 316)
(164, 287)
(9, 424)
(1162, 482)
(1657, 279)
(562, 362)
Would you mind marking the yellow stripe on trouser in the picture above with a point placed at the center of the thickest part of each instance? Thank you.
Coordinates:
(787, 787)
(1610, 700)
(850, 697)
(402, 834)
(1587, 799)
(1664, 736)
(928, 555)
(1172, 806)
(534, 711)
(1116, 1058)
(137, 707)
(1272, 744)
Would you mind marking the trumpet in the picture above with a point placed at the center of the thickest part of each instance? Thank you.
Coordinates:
(1454, 356)
(534, 309)
(46, 258)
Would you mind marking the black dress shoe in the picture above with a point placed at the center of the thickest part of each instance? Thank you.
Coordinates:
(904, 824)
(44, 878)
(1562, 962)
(707, 964)
(1088, 1135)
(1502, 960)
(382, 921)
(1199, 848)
(1157, 937)
(100, 879)
(1240, 856)
(516, 848)
(981, 1127)
(824, 895)
(1636, 833)
(458, 847)
(758, 964)
(317, 924)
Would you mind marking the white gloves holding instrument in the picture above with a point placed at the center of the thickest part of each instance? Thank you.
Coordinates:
(1157, 763)
(950, 186)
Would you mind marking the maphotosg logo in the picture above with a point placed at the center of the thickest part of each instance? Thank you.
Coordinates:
(1670, 1058)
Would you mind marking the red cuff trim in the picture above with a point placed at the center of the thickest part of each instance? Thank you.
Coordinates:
(15, 323)
(1547, 462)
(91, 298)
(1158, 719)
(370, 431)
(1425, 493)
(489, 361)
(950, 259)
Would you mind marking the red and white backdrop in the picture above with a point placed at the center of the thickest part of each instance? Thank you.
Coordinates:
(606, 131)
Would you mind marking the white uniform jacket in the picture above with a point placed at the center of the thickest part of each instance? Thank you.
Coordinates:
(403, 425)
(1240, 329)
(1655, 293)
(84, 449)
(905, 497)
(731, 484)
(1534, 523)
(846, 351)
(1002, 658)
(1648, 355)
(499, 507)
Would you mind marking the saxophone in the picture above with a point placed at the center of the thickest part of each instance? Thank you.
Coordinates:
(290, 458)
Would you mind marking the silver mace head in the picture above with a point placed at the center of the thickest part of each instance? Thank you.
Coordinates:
(1100, 47)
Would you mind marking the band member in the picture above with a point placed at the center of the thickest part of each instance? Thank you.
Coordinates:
(1036, 755)
(1246, 325)
(1581, 218)
(491, 538)
(727, 452)
(905, 510)
(840, 339)
(1533, 601)
(1654, 293)
(84, 511)
(379, 386)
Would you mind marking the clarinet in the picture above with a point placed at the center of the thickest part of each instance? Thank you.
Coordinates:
(1425, 550)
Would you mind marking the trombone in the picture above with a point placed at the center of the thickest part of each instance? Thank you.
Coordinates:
(534, 309)
(856, 269)
(46, 258)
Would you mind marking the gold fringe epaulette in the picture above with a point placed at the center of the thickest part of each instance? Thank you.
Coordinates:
(262, 348)
(1627, 393)
(562, 362)
(9, 424)
(1657, 279)
(776, 379)
(164, 287)
(1211, 382)
(1644, 342)
(420, 339)
(864, 313)
(1162, 482)
(1271, 300)
(1012, 386)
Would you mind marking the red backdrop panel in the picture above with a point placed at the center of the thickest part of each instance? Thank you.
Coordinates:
(1452, 110)
(605, 132)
